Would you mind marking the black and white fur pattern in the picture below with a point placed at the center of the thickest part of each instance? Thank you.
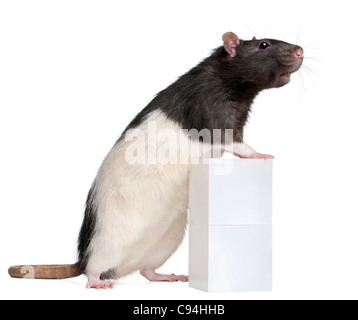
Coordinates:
(136, 213)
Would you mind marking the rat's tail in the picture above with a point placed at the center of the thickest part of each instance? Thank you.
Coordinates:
(46, 271)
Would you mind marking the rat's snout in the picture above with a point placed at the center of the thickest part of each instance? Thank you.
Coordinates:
(291, 61)
(298, 53)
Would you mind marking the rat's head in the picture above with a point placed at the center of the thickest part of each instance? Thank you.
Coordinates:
(263, 63)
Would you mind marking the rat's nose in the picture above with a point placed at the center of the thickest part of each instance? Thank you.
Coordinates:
(299, 53)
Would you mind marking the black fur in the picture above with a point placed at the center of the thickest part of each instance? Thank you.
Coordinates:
(87, 229)
(218, 93)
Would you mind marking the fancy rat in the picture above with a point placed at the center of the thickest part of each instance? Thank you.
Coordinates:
(136, 210)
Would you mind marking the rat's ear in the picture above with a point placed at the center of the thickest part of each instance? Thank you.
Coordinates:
(254, 38)
(231, 41)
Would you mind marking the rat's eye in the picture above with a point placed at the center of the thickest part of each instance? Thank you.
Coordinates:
(264, 45)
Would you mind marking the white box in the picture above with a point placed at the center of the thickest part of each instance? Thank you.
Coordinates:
(230, 225)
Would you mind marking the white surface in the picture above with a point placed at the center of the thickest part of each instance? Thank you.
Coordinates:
(74, 73)
(244, 197)
(230, 228)
(240, 258)
(199, 227)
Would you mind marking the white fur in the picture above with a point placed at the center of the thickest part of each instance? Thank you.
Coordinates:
(142, 208)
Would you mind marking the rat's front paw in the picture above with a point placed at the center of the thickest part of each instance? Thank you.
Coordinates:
(258, 156)
(262, 156)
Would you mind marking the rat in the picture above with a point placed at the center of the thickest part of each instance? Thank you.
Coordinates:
(136, 210)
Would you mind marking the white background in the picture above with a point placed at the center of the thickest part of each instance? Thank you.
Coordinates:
(74, 73)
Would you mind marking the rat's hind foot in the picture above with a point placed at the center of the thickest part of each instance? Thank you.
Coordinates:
(94, 282)
(151, 275)
(99, 285)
